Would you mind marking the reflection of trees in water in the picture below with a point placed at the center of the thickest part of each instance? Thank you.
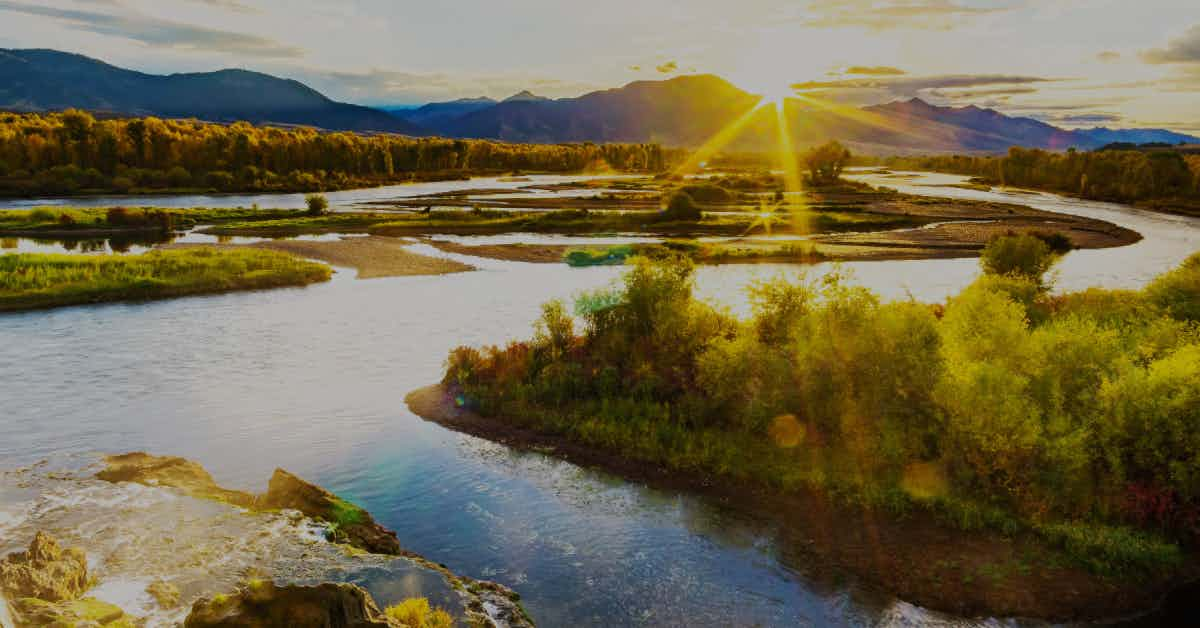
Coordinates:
(8, 243)
(116, 244)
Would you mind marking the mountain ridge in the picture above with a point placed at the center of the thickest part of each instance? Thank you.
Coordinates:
(47, 80)
(683, 111)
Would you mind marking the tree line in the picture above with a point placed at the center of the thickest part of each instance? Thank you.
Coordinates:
(72, 151)
(1123, 175)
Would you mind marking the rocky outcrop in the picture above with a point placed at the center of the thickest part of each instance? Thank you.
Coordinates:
(262, 604)
(43, 585)
(348, 523)
(75, 613)
(46, 572)
(170, 471)
(165, 593)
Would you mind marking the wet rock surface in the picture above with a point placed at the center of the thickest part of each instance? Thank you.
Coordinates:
(172, 472)
(349, 523)
(308, 573)
(45, 571)
(262, 604)
(44, 584)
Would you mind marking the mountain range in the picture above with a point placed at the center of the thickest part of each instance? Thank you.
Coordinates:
(683, 111)
(47, 80)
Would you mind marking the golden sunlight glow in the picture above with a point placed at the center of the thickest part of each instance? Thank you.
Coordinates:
(716, 143)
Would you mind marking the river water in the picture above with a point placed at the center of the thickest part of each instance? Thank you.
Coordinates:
(313, 380)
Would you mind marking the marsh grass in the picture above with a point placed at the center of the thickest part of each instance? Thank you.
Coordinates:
(65, 219)
(30, 281)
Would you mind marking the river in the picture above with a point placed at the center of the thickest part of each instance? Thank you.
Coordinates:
(313, 380)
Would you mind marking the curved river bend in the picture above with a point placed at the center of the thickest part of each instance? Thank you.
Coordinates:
(313, 380)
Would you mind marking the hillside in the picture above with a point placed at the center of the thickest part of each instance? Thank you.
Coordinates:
(49, 80)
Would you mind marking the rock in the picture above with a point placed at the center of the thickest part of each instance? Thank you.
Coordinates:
(165, 593)
(262, 604)
(75, 613)
(350, 524)
(173, 472)
(6, 618)
(45, 571)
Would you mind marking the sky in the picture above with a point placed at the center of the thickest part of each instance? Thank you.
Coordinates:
(1074, 63)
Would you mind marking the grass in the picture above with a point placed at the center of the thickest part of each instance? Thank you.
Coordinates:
(32, 281)
(562, 221)
(702, 253)
(93, 219)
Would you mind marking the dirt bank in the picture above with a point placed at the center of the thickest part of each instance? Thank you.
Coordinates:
(916, 557)
(373, 256)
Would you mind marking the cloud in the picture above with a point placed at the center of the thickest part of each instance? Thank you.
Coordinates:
(157, 32)
(1080, 118)
(998, 95)
(389, 87)
(913, 86)
(874, 70)
(1182, 49)
(667, 68)
(229, 5)
(923, 14)
(1108, 56)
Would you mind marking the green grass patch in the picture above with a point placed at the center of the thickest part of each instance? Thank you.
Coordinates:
(30, 281)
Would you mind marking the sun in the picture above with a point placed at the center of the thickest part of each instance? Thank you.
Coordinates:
(774, 94)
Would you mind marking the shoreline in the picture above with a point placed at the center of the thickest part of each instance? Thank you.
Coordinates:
(887, 553)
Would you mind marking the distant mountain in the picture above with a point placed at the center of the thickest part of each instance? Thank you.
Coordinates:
(1102, 136)
(525, 96)
(48, 80)
(682, 111)
(435, 115)
(975, 129)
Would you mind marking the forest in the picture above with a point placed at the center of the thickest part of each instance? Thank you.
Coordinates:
(73, 152)
(1122, 175)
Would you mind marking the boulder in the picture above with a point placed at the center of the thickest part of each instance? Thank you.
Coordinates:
(262, 604)
(173, 472)
(78, 613)
(349, 523)
(165, 593)
(46, 572)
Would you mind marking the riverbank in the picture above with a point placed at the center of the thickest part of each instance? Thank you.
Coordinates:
(35, 281)
(917, 557)
(371, 256)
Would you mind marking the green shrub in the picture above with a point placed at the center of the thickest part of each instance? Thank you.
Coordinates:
(1178, 291)
(1021, 255)
(680, 207)
(317, 204)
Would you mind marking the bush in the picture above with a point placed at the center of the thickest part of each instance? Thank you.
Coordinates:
(680, 206)
(41, 214)
(317, 204)
(1023, 255)
(825, 163)
(1178, 291)
(1069, 415)
(416, 612)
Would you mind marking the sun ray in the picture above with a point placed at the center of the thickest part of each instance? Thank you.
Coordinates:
(718, 141)
(793, 193)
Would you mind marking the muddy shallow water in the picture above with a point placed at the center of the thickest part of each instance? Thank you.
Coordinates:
(313, 380)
